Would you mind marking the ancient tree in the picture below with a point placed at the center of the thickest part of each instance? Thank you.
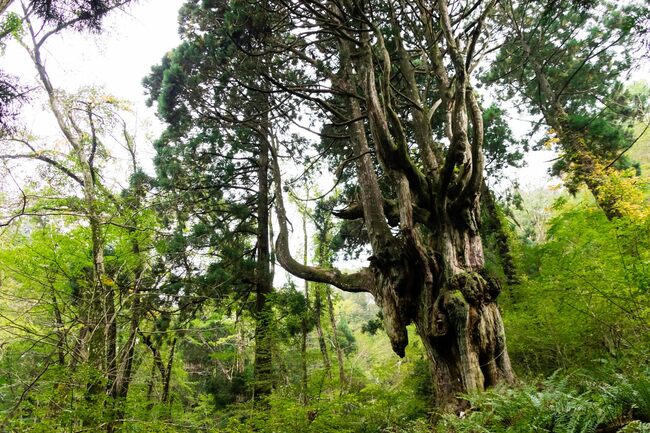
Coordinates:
(393, 81)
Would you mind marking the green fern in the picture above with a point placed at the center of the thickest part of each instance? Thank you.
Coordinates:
(572, 404)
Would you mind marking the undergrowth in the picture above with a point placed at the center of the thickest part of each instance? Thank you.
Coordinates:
(575, 403)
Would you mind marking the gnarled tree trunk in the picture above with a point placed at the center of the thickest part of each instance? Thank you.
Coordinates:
(427, 265)
(461, 328)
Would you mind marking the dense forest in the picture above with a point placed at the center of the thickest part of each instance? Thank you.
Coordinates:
(332, 229)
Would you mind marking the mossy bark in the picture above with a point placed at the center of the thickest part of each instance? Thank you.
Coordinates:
(455, 315)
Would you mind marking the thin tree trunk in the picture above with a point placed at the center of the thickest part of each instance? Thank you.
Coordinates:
(335, 336)
(304, 325)
(303, 363)
(123, 379)
(58, 325)
(241, 344)
(60, 347)
(168, 372)
(157, 358)
(150, 383)
(165, 371)
(318, 312)
(322, 259)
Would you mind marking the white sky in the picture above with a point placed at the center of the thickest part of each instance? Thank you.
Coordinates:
(133, 40)
(117, 59)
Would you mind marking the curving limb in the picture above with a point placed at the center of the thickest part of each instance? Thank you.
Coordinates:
(361, 281)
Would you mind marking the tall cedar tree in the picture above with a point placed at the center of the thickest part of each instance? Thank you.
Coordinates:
(213, 159)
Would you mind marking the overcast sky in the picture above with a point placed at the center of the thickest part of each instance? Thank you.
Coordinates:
(132, 41)
(117, 59)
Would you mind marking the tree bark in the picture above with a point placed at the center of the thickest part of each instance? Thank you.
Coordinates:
(464, 337)
(335, 337)
(318, 312)
(305, 317)
(263, 341)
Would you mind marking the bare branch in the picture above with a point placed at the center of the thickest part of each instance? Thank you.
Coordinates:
(360, 281)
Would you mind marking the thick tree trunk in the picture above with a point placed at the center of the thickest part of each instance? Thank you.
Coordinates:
(470, 355)
(456, 318)
(263, 341)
